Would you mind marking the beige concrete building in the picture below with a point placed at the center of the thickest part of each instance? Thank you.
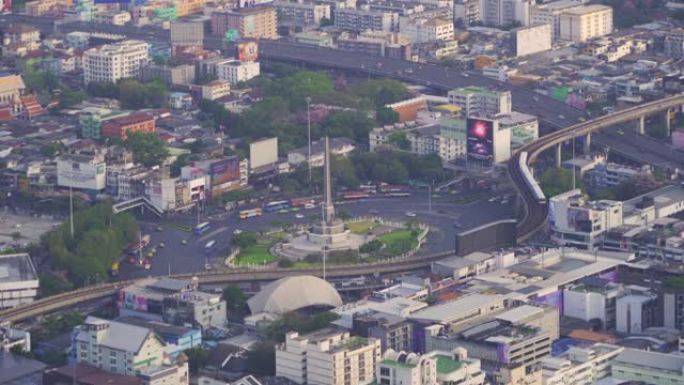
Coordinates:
(328, 357)
(259, 22)
(587, 22)
(425, 30)
(531, 40)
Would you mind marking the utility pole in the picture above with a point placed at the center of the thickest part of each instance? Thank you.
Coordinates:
(308, 123)
(71, 211)
(574, 182)
(430, 198)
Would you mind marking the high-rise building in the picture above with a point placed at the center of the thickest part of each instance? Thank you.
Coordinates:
(467, 12)
(587, 22)
(259, 22)
(111, 62)
(477, 101)
(235, 71)
(506, 12)
(328, 357)
(301, 15)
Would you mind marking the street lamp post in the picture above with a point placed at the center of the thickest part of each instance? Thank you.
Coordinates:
(308, 123)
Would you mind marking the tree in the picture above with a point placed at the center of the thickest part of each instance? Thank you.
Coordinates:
(385, 115)
(70, 97)
(198, 358)
(556, 181)
(147, 148)
(236, 302)
(379, 92)
(400, 140)
(51, 149)
(261, 359)
(244, 239)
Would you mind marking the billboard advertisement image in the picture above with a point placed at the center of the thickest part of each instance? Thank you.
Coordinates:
(224, 170)
(248, 51)
(480, 136)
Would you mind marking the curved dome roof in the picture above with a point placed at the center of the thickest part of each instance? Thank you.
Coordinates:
(292, 293)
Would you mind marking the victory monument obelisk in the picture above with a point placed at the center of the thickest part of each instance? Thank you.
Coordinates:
(330, 232)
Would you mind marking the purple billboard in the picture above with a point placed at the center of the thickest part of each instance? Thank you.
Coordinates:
(480, 138)
(224, 170)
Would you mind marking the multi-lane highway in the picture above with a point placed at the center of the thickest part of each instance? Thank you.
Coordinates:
(536, 211)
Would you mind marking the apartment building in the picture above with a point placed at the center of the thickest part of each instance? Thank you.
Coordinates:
(81, 171)
(394, 332)
(111, 62)
(647, 367)
(436, 367)
(259, 22)
(550, 13)
(425, 30)
(467, 12)
(359, 20)
(119, 128)
(117, 347)
(328, 357)
(477, 101)
(301, 15)
(235, 71)
(587, 22)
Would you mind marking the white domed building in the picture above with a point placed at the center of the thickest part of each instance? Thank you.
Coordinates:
(294, 293)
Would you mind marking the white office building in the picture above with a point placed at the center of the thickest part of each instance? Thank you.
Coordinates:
(550, 13)
(328, 357)
(18, 280)
(648, 367)
(235, 71)
(360, 20)
(580, 366)
(111, 62)
(477, 101)
(506, 12)
(587, 22)
(426, 30)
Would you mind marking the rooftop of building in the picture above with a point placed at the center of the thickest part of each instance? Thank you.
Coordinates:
(15, 367)
(134, 118)
(585, 9)
(161, 328)
(663, 196)
(461, 308)
(653, 360)
(17, 268)
(118, 47)
(446, 364)
(117, 335)
(545, 273)
(85, 374)
(11, 83)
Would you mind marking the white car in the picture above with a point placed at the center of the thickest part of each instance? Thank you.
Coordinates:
(299, 216)
(410, 214)
(237, 231)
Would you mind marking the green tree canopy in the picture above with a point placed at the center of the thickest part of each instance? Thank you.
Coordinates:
(147, 148)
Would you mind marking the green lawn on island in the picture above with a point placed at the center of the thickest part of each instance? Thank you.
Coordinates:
(398, 242)
(362, 227)
(255, 255)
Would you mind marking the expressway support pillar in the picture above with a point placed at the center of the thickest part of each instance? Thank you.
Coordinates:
(668, 122)
(587, 144)
(641, 125)
(559, 157)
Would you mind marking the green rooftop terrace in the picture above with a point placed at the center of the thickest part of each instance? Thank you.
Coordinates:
(446, 364)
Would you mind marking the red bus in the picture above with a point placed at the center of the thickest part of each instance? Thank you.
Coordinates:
(354, 195)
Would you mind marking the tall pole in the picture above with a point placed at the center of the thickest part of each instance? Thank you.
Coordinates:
(430, 198)
(308, 123)
(71, 210)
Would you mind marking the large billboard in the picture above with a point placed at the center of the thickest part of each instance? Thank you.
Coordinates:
(248, 51)
(480, 139)
(224, 170)
(263, 153)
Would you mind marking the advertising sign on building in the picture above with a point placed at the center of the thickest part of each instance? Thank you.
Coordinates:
(224, 170)
(480, 139)
(248, 51)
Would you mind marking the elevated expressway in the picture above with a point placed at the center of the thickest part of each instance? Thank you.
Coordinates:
(536, 211)
(91, 293)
